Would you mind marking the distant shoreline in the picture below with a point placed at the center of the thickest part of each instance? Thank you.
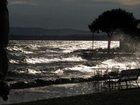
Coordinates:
(61, 37)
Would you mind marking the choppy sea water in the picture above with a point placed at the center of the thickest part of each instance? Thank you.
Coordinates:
(31, 59)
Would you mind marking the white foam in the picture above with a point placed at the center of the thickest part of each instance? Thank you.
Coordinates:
(16, 48)
(32, 71)
(123, 65)
(59, 72)
(46, 60)
(81, 68)
(88, 45)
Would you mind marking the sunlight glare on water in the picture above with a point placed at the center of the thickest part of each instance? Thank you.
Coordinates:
(59, 57)
(45, 60)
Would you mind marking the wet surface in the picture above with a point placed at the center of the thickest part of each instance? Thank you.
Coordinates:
(47, 92)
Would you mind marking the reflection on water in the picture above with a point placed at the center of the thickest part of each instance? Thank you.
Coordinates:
(58, 58)
(45, 60)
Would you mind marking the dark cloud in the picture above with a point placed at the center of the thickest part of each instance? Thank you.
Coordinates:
(62, 13)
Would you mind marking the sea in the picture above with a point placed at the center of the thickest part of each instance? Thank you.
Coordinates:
(51, 59)
(55, 59)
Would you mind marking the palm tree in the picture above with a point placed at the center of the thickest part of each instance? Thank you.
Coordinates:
(112, 20)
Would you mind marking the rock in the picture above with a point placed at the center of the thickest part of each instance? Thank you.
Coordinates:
(19, 85)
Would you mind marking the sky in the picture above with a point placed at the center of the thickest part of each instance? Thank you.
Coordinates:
(61, 14)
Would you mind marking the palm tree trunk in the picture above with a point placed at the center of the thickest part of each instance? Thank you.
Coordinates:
(109, 43)
(92, 41)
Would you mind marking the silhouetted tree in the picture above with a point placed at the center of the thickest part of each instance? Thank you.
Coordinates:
(138, 23)
(137, 29)
(112, 20)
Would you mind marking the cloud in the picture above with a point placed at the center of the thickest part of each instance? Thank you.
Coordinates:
(28, 2)
(64, 13)
(32, 2)
(124, 2)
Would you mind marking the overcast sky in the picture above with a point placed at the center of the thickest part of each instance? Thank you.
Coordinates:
(76, 14)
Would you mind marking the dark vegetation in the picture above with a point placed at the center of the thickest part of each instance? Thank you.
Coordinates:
(115, 20)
